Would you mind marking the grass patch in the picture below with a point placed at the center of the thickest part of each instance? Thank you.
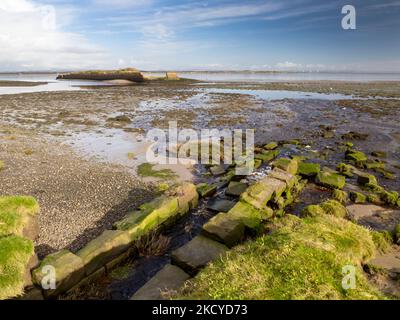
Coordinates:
(300, 259)
(15, 253)
(146, 170)
(15, 212)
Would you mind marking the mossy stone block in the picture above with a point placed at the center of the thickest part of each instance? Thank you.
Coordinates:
(330, 179)
(98, 252)
(225, 228)
(286, 164)
(309, 170)
(69, 270)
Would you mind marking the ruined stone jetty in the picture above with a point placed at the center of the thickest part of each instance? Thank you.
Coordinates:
(130, 74)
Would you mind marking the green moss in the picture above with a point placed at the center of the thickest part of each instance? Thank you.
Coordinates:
(356, 157)
(397, 234)
(206, 190)
(1, 165)
(15, 253)
(267, 155)
(334, 208)
(358, 197)
(271, 146)
(382, 239)
(312, 211)
(289, 165)
(340, 195)
(390, 198)
(330, 179)
(146, 170)
(309, 169)
(15, 212)
(300, 259)
(374, 198)
(379, 154)
(345, 169)
(366, 179)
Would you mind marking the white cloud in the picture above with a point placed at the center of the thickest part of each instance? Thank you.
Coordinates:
(288, 65)
(31, 38)
(121, 4)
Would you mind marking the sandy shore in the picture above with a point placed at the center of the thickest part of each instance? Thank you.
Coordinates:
(78, 198)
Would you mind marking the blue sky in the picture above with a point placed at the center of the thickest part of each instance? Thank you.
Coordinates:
(224, 34)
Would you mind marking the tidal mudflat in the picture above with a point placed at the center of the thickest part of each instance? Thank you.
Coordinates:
(78, 151)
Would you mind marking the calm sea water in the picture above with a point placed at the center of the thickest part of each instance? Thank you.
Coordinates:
(210, 77)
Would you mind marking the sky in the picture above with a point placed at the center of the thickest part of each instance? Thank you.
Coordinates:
(294, 35)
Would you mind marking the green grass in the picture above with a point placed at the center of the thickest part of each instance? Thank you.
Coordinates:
(15, 253)
(300, 259)
(146, 170)
(15, 212)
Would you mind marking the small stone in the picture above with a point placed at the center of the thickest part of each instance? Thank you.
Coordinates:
(339, 195)
(309, 169)
(217, 170)
(170, 278)
(267, 156)
(236, 188)
(197, 253)
(288, 165)
(357, 156)
(379, 154)
(218, 205)
(282, 175)
(357, 197)
(271, 146)
(330, 180)
(206, 190)
(345, 169)
(365, 178)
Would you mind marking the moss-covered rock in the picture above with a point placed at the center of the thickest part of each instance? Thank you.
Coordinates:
(68, 267)
(271, 146)
(1, 165)
(267, 156)
(18, 216)
(225, 228)
(374, 165)
(397, 234)
(103, 249)
(248, 215)
(379, 154)
(340, 195)
(365, 178)
(374, 198)
(286, 164)
(390, 198)
(345, 169)
(236, 188)
(284, 176)
(334, 208)
(357, 157)
(309, 170)
(259, 193)
(312, 211)
(358, 197)
(206, 189)
(15, 255)
(330, 179)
